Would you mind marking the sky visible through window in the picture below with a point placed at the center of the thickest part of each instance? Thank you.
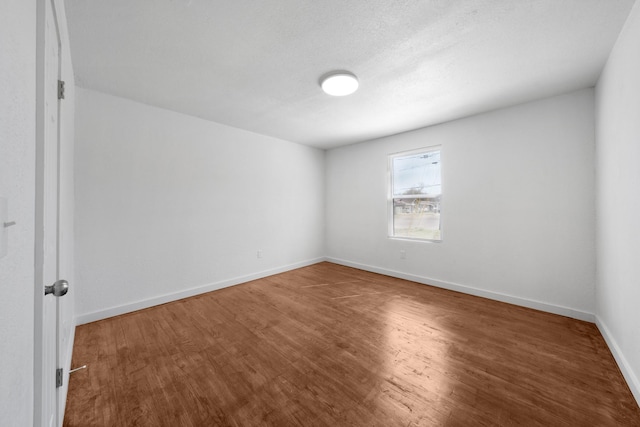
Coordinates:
(417, 174)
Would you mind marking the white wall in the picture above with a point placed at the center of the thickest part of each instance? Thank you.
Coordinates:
(167, 203)
(17, 184)
(517, 212)
(618, 200)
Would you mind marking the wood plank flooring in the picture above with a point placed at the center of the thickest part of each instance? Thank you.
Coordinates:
(328, 345)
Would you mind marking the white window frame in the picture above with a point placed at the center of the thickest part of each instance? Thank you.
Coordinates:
(391, 197)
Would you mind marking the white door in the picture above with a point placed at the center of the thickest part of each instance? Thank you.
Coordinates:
(47, 219)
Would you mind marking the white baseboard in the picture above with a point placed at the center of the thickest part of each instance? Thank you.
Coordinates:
(625, 368)
(537, 305)
(186, 293)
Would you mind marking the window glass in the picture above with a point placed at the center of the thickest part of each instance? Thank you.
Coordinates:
(416, 192)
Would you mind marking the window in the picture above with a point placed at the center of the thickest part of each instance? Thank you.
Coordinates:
(416, 190)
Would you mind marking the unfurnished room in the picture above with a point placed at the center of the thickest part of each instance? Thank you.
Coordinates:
(319, 213)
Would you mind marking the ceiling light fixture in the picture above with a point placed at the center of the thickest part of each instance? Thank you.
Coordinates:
(339, 83)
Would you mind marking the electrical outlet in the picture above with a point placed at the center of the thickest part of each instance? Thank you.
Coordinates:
(259, 254)
(403, 254)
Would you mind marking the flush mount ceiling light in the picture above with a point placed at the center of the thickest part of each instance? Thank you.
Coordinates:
(339, 83)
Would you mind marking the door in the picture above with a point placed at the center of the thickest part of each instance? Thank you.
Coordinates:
(47, 218)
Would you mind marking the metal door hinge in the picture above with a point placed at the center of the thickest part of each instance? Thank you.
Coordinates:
(58, 377)
(60, 89)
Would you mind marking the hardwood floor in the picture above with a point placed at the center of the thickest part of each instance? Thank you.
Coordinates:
(328, 345)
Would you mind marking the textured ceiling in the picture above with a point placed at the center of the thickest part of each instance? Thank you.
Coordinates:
(255, 65)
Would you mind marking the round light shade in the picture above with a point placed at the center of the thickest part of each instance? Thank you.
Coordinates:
(340, 83)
